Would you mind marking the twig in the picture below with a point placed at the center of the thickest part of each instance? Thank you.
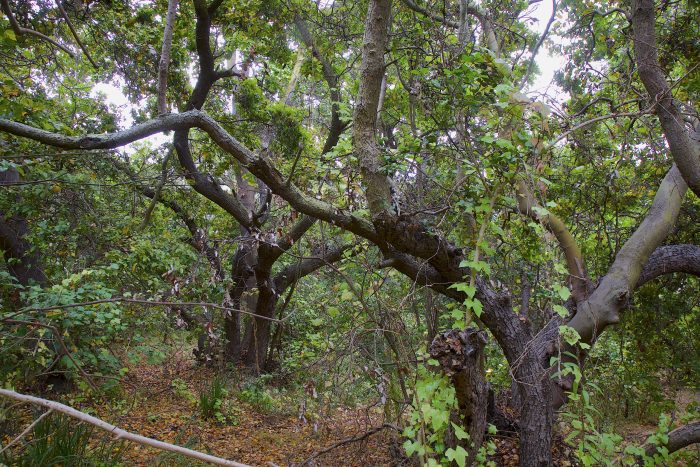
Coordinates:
(61, 344)
(19, 30)
(75, 34)
(352, 439)
(26, 430)
(118, 432)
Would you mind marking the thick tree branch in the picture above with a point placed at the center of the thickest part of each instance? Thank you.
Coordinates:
(685, 151)
(528, 206)
(612, 294)
(670, 259)
(117, 432)
(678, 439)
(258, 165)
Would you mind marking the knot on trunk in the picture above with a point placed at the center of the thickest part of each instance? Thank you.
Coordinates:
(458, 350)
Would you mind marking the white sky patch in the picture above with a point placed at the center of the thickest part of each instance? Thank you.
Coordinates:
(547, 60)
(115, 97)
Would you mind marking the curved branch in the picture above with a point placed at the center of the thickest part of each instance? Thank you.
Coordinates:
(527, 205)
(19, 30)
(685, 151)
(611, 296)
(118, 432)
(670, 259)
(258, 165)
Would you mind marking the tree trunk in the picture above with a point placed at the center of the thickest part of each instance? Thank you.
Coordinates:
(260, 330)
(537, 413)
(461, 356)
(242, 273)
(23, 262)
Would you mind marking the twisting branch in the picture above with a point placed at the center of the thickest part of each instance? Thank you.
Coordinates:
(258, 165)
(528, 206)
(75, 34)
(19, 30)
(118, 432)
(164, 62)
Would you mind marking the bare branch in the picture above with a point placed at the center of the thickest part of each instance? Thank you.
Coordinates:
(26, 430)
(117, 432)
(19, 30)
(352, 439)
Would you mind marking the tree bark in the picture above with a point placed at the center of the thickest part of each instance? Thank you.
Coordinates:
(461, 357)
(22, 260)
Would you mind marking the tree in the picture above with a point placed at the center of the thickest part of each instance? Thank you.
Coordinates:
(450, 171)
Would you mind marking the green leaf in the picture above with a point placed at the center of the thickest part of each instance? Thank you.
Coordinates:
(459, 432)
(458, 455)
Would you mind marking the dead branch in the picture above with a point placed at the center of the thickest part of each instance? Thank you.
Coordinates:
(118, 432)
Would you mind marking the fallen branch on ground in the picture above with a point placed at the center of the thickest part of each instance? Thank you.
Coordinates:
(118, 432)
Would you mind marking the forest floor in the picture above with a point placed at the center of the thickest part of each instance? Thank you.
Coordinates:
(160, 400)
(158, 409)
